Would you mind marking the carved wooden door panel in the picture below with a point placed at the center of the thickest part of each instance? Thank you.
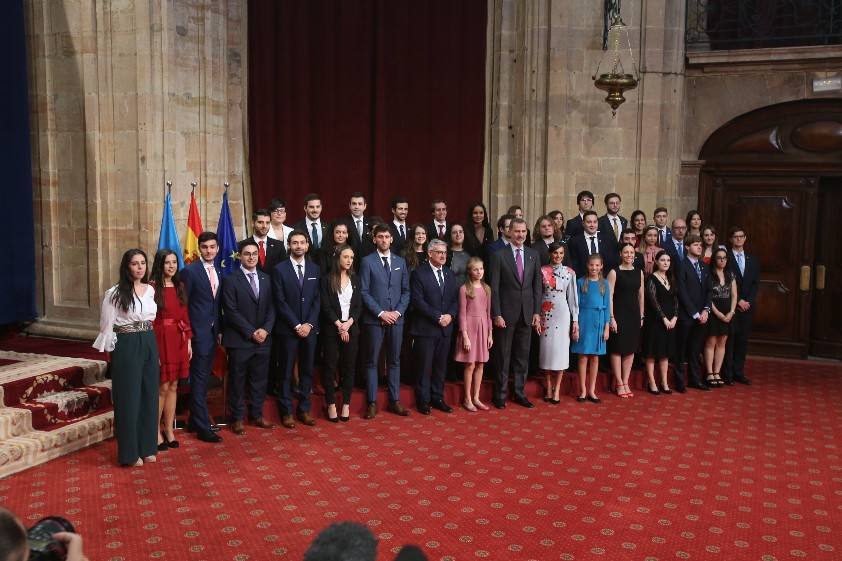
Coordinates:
(826, 336)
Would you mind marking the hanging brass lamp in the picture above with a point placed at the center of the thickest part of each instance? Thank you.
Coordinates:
(616, 82)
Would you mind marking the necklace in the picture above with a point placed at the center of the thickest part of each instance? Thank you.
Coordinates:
(663, 280)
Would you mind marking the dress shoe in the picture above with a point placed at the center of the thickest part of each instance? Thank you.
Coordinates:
(238, 428)
(681, 389)
(654, 392)
(442, 406)
(424, 408)
(398, 409)
(742, 380)
(287, 422)
(666, 391)
(555, 401)
(581, 399)
(262, 423)
(306, 419)
(499, 404)
(698, 386)
(173, 443)
(548, 399)
(729, 382)
(370, 411)
(523, 402)
(593, 399)
(208, 436)
(165, 445)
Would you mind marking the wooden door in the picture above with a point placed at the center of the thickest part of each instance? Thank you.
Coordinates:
(826, 328)
(777, 213)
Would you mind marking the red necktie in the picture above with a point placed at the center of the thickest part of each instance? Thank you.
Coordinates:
(261, 253)
(441, 232)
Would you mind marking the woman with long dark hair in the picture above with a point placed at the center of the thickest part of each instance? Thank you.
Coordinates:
(723, 307)
(694, 223)
(558, 226)
(174, 338)
(125, 330)
(341, 309)
(337, 236)
(478, 232)
(415, 251)
(637, 222)
(659, 332)
(457, 254)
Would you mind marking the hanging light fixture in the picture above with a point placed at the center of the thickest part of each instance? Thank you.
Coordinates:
(616, 81)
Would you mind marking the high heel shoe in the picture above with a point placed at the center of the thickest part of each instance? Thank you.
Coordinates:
(480, 405)
(345, 418)
(164, 444)
(666, 391)
(327, 414)
(653, 392)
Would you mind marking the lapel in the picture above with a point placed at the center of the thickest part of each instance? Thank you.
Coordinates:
(510, 258)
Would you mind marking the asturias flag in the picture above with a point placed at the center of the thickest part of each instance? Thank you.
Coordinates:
(168, 239)
(228, 259)
(194, 228)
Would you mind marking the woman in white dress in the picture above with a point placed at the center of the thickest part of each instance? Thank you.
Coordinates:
(125, 330)
(559, 309)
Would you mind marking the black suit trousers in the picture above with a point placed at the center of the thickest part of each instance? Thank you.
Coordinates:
(737, 346)
(247, 367)
(691, 340)
(338, 357)
(512, 344)
(430, 358)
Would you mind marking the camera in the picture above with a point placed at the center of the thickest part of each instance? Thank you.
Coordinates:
(42, 546)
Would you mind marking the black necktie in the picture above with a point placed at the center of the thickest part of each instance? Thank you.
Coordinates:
(441, 281)
(699, 271)
(386, 265)
(593, 245)
(300, 276)
(403, 233)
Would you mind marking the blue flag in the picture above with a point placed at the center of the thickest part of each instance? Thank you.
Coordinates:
(228, 258)
(168, 239)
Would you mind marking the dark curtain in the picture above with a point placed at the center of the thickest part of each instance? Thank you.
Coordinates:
(385, 97)
(17, 229)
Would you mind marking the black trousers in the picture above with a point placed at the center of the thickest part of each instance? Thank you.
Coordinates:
(737, 346)
(691, 341)
(430, 358)
(512, 344)
(248, 369)
(338, 356)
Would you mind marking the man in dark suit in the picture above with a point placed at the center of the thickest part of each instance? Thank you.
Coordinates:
(661, 217)
(359, 226)
(611, 221)
(746, 269)
(590, 241)
(295, 286)
(435, 302)
(398, 226)
(271, 251)
(674, 246)
(439, 228)
(503, 225)
(202, 288)
(313, 225)
(575, 225)
(694, 296)
(249, 317)
(384, 284)
(629, 237)
(516, 294)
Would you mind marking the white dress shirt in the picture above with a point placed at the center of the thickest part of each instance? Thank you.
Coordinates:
(144, 309)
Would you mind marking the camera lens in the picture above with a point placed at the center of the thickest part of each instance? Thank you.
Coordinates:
(42, 546)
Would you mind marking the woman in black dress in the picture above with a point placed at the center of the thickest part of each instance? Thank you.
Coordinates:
(626, 284)
(478, 232)
(724, 304)
(661, 317)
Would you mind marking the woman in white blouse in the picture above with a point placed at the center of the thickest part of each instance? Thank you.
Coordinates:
(125, 330)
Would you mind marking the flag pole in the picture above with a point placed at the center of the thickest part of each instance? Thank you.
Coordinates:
(221, 420)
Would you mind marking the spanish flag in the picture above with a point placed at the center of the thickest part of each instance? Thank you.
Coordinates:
(194, 228)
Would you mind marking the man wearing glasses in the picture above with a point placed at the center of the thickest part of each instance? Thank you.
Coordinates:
(575, 225)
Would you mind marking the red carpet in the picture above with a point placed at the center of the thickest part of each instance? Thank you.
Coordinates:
(740, 473)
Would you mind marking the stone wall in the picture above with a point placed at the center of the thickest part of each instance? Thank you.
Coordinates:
(126, 95)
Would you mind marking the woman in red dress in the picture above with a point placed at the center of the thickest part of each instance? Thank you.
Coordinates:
(173, 333)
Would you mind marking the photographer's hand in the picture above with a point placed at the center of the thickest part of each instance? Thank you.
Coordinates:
(73, 542)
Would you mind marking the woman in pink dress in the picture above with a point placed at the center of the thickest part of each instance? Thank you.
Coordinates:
(173, 333)
(474, 338)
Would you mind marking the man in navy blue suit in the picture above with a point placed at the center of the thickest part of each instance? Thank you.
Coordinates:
(201, 285)
(435, 303)
(694, 296)
(295, 287)
(746, 269)
(249, 314)
(660, 217)
(384, 285)
(576, 225)
(503, 225)
(674, 246)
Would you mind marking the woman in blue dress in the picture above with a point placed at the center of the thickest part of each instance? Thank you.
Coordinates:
(594, 306)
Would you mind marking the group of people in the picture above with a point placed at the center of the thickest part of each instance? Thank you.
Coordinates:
(341, 294)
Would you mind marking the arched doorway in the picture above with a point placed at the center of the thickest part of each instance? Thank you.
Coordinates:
(777, 172)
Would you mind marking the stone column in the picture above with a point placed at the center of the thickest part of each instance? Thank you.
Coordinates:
(124, 96)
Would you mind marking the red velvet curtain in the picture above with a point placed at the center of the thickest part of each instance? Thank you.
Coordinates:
(386, 97)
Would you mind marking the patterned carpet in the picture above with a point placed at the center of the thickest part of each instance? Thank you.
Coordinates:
(739, 473)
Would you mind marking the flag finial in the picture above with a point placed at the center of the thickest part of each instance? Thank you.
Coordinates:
(193, 186)
(169, 186)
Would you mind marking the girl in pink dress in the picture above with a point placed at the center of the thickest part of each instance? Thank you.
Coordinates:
(474, 338)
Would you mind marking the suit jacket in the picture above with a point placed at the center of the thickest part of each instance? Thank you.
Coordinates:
(433, 232)
(397, 243)
(606, 226)
(364, 245)
(748, 282)
(669, 235)
(302, 225)
(639, 262)
(245, 314)
(275, 253)
(287, 230)
(203, 307)
(574, 226)
(579, 250)
(429, 303)
(296, 304)
(382, 291)
(511, 298)
(670, 249)
(497, 245)
(693, 295)
(332, 310)
(543, 250)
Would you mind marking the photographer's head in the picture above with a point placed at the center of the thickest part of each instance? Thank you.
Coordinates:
(347, 541)
(13, 546)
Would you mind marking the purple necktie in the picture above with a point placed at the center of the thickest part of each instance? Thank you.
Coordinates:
(519, 263)
(253, 284)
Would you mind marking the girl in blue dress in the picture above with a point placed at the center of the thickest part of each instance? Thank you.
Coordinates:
(594, 320)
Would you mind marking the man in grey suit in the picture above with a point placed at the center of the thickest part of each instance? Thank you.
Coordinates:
(516, 293)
